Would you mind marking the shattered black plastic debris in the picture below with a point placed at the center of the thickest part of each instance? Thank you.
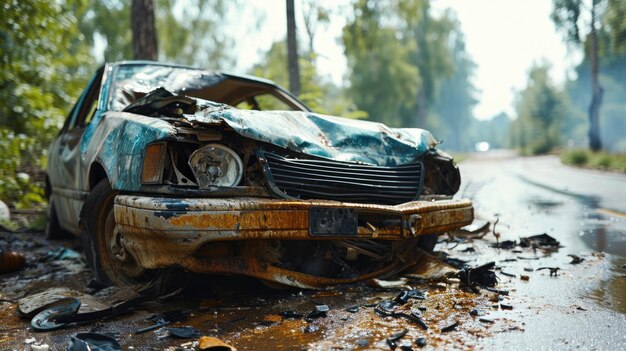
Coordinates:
(539, 241)
(399, 335)
(184, 332)
(478, 276)
(386, 308)
(353, 309)
(486, 320)
(506, 307)
(576, 259)
(392, 340)
(506, 245)
(405, 295)
(497, 291)
(291, 314)
(93, 342)
(421, 342)
(318, 311)
(48, 318)
(450, 327)
(477, 312)
(554, 271)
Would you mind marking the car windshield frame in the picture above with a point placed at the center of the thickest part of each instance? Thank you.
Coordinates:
(127, 80)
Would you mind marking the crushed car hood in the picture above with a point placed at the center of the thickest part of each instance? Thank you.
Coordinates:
(320, 135)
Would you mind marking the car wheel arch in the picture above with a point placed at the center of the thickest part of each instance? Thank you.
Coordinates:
(96, 174)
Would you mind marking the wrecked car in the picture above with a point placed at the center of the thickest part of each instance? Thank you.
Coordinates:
(162, 168)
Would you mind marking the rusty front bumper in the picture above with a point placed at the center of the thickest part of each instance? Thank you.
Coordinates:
(170, 232)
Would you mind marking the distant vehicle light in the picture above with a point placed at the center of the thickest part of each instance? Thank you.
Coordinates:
(482, 146)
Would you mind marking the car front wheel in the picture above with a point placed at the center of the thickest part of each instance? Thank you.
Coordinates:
(104, 245)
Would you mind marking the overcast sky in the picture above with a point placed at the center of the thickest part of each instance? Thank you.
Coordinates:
(504, 37)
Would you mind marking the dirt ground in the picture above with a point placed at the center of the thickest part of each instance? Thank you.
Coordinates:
(250, 316)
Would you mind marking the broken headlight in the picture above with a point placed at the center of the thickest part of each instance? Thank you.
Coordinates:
(216, 165)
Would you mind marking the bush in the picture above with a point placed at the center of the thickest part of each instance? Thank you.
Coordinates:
(575, 157)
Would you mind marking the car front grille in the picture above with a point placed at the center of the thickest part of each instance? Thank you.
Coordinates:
(341, 181)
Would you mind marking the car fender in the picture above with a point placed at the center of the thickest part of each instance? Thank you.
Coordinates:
(116, 141)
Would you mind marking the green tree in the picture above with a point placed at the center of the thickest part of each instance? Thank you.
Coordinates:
(399, 54)
(38, 83)
(189, 32)
(566, 15)
(541, 109)
(456, 97)
(320, 96)
(383, 80)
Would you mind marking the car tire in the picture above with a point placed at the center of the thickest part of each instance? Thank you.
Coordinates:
(103, 246)
(53, 228)
(428, 242)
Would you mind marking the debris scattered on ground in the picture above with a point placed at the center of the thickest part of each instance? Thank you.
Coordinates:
(554, 271)
(450, 327)
(163, 319)
(213, 344)
(352, 309)
(486, 320)
(272, 319)
(93, 342)
(477, 229)
(404, 296)
(506, 245)
(524, 277)
(478, 276)
(507, 274)
(11, 261)
(576, 259)
(310, 328)
(506, 306)
(318, 311)
(32, 304)
(292, 314)
(497, 291)
(49, 318)
(185, 332)
(393, 339)
(429, 267)
(421, 342)
(388, 284)
(477, 312)
(387, 308)
(62, 254)
(541, 241)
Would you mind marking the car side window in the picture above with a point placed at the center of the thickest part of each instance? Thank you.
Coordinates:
(83, 111)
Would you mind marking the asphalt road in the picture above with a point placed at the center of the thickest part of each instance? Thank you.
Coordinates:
(586, 211)
(583, 307)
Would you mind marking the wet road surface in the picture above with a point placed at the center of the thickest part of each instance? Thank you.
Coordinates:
(583, 307)
(586, 211)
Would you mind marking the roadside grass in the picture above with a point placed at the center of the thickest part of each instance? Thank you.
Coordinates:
(595, 160)
(460, 156)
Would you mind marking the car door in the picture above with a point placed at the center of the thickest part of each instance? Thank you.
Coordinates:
(64, 159)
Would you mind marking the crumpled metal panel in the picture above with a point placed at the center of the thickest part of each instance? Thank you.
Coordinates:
(320, 135)
(314, 134)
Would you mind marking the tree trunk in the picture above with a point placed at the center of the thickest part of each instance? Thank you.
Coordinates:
(596, 99)
(292, 50)
(144, 31)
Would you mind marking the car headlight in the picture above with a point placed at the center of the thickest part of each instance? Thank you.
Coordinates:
(216, 165)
